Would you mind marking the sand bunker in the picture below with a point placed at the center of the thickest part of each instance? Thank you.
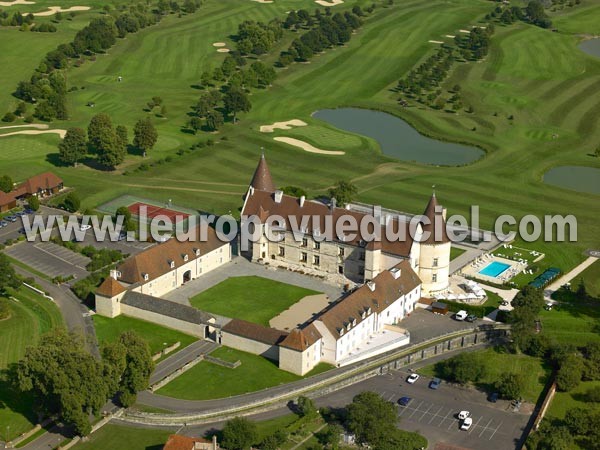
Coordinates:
(61, 133)
(54, 9)
(307, 147)
(223, 50)
(263, 1)
(464, 31)
(282, 125)
(329, 3)
(219, 44)
(450, 36)
(437, 42)
(17, 2)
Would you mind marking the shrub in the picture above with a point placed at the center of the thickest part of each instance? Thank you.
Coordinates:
(9, 117)
(4, 309)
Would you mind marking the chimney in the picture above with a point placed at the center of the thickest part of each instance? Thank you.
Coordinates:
(333, 204)
(214, 442)
(251, 190)
(371, 285)
(302, 199)
(278, 196)
(114, 274)
(396, 273)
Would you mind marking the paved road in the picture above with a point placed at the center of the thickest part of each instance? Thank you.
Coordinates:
(174, 362)
(50, 259)
(566, 278)
(75, 314)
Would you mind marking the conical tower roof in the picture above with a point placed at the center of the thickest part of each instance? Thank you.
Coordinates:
(262, 180)
(430, 213)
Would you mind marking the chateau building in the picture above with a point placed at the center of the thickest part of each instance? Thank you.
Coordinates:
(359, 259)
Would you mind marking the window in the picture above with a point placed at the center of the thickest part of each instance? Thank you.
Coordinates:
(303, 257)
(435, 262)
(362, 256)
(317, 245)
(434, 277)
(341, 251)
(281, 251)
(304, 242)
(316, 260)
(341, 270)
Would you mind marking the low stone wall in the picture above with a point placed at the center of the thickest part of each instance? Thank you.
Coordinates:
(28, 434)
(321, 386)
(166, 351)
(220, 362)
(73, 442)
(171, 377)
(195, 329)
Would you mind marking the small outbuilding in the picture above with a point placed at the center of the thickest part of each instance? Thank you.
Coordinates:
(439, 308)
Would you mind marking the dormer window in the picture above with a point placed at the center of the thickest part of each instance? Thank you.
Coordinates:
(364, 314)
(369, 310)
(171, 264)
(146, 276)
(341, 331)
(353, 322)
(197, 251)
(185, 258)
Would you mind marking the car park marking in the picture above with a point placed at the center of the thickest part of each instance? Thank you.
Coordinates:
(416, 409)
(474, 426)
(494, 432)
(425, 412)
(485, 428)
(433, 416)
(445, 417)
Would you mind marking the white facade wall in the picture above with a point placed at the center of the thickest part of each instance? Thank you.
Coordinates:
(109, 307)
(175, 278)
(434, 267)
(328, 343)
(298, 362)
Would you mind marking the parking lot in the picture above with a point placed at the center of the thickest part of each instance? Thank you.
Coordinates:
(433, 413)
(50, 259)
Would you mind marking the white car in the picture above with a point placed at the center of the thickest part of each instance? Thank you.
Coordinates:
(412, 379)
(85, 227)
(461, 315)
(466, 424)
(463, 415)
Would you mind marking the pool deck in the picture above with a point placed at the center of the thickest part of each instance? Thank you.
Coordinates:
(472, 270)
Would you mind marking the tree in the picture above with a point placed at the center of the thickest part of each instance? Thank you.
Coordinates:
(110, 150)
(145, 135)
(330, 436)
(343, 192)
(371, 418)
(6, 183)
(556, 438)
(511, 385)
(214, 120)
(123, 211)
(71, 202)
(236, 100)
(98, 125)
(122, 138)
(195, 124)
(8, 277)
(138, 367)
(570, 373)
(64, 379)
(306, 407)
(294, 191)
(73, 147)
(33, 203)
(205, 79)
(463, 368)
(239, 433)
(274, 441)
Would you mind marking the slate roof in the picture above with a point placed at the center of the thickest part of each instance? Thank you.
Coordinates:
(156, 261)
(262, 180)
(430, 213)
(387, 290)
(165, 307)
(255, 332)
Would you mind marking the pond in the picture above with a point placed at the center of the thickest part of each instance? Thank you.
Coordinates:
(576, 178)
(397, 138)
(591, 47)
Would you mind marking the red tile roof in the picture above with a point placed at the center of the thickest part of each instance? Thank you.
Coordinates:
(387, 290)
(110, 288)
(302, 339)
(262, 204)
(262, 180)
(255, 332)
(433, 212)
(178, 442)
(156, 261)
(42, 181)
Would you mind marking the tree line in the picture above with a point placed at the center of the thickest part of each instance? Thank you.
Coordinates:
(108, 143)
(99, 35)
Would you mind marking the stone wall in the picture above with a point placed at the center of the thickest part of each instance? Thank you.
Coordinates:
(195, 329)
(250, 346)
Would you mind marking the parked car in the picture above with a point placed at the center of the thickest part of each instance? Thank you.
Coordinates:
(404, 401)
(461, 315)
(493, 397)
(466, 423)
(435, 383)
(412, 378)
(505, 303)
(3, 223)
(11, 218)
(471, 318)
(463, 415)
(548, 306)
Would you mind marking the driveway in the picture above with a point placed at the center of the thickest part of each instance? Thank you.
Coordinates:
(424, 325)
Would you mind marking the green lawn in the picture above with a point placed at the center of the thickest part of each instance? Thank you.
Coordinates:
(207, 381)
(254, 299)
(108, 330)
(497, 361)
(573, 322)
(116, 437)
(455, 252)
(31, 316)
(591, 278)
(325, 137)
(563, 401)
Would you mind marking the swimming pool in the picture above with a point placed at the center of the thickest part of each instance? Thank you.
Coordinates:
(494, 269)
